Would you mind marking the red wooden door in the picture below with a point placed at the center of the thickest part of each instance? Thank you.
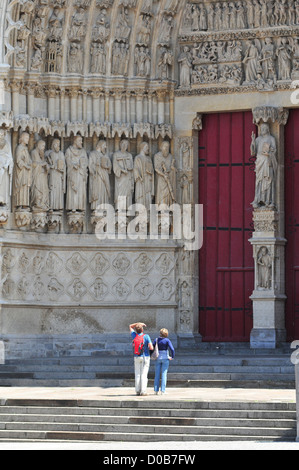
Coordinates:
(226, 190)
(292, 224)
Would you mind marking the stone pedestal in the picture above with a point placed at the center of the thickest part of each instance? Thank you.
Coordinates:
(268, 237)
(268, 296)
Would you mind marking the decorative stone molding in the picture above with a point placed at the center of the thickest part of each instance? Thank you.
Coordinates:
(265, 221)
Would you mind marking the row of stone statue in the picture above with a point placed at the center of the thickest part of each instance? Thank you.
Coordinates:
(40, 179)
(241, 14)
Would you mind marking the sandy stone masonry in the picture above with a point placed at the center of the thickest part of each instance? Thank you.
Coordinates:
(106, 98)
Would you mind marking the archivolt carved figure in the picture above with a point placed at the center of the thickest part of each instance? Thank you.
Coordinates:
(99, 171)
(185, 68)
(264, 148)
(77, 171)
(22, 173)
(6, 169)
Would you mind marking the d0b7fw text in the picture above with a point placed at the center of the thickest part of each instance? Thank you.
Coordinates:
(170, 459)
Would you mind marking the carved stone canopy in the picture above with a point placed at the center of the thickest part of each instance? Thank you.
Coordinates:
(270, 114)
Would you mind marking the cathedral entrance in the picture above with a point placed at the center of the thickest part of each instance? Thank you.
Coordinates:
(226, 190)
(292, 224)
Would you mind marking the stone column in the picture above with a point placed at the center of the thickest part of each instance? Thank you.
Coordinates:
(51, 103)
(15, 88)
(269, 229)
(62, 105)
(30, 99)
(161, 106)
(96, 95)
(117, 105)
(74, 93)
(186, 147)
(139, 107)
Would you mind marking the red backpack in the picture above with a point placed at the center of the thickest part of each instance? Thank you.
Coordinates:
(138, 345)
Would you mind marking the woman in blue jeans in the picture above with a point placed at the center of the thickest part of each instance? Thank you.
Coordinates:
(166, 354)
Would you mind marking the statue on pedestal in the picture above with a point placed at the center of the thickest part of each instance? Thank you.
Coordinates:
(144, 177)
(6, 169)
(39, 188)
(57, 177)
(166, 176)
(99, 170)
(124, 178)
(264, 148)
(22, 173)
(77, 172)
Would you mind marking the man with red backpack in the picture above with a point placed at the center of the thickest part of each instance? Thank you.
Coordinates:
(142, 345)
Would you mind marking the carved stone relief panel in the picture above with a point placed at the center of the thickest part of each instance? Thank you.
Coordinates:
(237, 45)
(69, 277)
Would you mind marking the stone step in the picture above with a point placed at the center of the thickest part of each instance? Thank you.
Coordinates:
(180, 360)
(149, 429)
(13, 413)
(121, 382)
(62, 436)
(130, 374)
(6, 420)
(174, 367)
(127, 404)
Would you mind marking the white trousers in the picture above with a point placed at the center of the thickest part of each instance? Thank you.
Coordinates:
(141, 373)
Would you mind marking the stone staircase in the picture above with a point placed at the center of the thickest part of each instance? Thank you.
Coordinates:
(145, 421)
(209, 365)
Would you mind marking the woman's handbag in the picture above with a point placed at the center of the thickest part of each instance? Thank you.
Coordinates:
(155, 353)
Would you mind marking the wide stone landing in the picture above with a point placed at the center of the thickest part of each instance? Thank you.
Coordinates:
(117, 415)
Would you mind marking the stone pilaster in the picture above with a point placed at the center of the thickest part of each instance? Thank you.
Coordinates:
(186, 146)
(268, 241)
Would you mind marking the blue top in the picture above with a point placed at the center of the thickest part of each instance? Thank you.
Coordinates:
(147, 341)
(165, 346)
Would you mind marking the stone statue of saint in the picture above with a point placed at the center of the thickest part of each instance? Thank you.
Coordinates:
(22, 173)
(99, 170)
(166, 175)
(264, 149)
(6, 169)
(124, 178)
(144, 177)
(40, 169)
(57, 176)
(77, 172)
(264, 262)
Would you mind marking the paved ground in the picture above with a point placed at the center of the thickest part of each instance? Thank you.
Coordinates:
(185, 394)
(120, 393)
